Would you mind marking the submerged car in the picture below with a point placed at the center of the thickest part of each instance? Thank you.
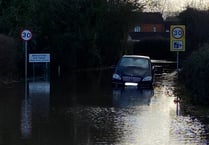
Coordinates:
(133, 69)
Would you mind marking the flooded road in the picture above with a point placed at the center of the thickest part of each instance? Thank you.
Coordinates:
(84, 110)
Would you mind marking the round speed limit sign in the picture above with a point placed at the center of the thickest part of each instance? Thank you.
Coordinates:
(178, 32)
(26, 35)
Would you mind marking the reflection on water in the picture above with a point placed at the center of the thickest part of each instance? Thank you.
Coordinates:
(147, 124)
(39, 94)
(131, 96)
(35, 105)
(85, 110)
(26, 119)
(187, 130)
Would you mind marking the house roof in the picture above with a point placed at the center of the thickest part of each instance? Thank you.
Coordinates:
(148, 17)
(145, 35)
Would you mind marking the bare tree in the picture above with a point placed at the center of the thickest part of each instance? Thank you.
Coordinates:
(199, 4)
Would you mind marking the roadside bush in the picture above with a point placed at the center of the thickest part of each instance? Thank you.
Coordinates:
(8, 58)
(195, 75)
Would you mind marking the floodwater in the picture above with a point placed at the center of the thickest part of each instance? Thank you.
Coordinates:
(84, 110)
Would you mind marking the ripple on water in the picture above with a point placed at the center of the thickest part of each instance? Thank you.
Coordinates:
(187, 130)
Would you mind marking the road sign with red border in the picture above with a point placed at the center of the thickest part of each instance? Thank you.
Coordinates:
(177, 38)
(26, 35)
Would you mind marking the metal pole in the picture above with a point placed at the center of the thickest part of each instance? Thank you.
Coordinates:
(26, 61)
(33, 71)
(177, 64)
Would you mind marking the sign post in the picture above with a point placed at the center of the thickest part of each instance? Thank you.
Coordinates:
(40, 58)
(177, 41)
(26, 35)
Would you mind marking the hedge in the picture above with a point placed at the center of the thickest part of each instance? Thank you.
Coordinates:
(195, 75)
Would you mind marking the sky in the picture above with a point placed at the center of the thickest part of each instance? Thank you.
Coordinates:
(181, 4)
(178, 5)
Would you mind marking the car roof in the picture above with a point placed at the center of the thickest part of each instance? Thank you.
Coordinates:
(137, 56)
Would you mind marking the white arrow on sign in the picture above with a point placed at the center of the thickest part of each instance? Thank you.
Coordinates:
(26, 35)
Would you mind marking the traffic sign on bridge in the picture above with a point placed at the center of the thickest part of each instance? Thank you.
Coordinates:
(177, 38)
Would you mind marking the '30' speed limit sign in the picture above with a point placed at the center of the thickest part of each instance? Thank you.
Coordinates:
(178, 32)
(26, 35)
(177, 38)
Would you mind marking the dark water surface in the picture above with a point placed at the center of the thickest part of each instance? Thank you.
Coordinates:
(84, 110)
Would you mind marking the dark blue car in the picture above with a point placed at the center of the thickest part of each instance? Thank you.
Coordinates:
(133, 70)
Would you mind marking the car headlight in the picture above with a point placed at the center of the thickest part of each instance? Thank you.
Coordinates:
(116, 76)
(147, 78)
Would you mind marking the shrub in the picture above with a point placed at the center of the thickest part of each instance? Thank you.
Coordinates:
(8, 58)
(195, 76)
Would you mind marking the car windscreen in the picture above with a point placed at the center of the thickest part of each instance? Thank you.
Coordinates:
(134, 62)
